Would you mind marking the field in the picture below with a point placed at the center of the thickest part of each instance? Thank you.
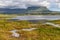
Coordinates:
(43, 31)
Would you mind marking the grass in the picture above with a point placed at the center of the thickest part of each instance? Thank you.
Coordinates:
(6, 16)
(43, 32)
(56, 21)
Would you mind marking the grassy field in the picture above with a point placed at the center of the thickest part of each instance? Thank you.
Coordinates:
(43, 31)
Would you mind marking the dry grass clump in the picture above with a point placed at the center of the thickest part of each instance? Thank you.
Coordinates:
(43, 32)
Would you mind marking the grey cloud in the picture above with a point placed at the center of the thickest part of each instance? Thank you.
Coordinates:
(23, 3)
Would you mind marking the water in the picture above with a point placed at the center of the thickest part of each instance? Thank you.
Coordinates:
(31, 29)
(14, 33)
(38, 17)
(55, 25)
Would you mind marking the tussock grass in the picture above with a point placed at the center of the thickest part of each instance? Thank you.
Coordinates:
(43, 32)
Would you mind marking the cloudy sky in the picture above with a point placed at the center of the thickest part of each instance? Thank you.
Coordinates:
(50, 4)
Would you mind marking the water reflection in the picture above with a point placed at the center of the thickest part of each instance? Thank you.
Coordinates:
(38, 17)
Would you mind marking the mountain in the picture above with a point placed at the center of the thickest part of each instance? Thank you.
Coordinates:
(33, 9)
(38, 10)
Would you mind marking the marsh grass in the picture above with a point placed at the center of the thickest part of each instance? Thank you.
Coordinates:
(43, 32)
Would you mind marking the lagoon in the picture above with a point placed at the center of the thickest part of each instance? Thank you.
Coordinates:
(38, 17)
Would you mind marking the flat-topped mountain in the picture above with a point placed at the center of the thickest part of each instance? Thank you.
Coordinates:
(33, 9)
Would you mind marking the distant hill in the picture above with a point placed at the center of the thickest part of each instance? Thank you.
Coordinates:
(38, 10)
(31, 10)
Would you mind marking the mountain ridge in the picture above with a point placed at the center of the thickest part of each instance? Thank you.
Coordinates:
(33, 9)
